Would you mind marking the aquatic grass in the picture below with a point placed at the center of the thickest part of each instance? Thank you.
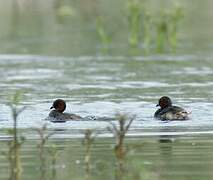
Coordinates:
(43, 137)
(147, 31)
(157, 29)
(53, 152)
(63, 11)
(13, 154)
(14, 159)
(89, 137)
(167, 25)
(134, 8)
(102, 33)
(176, 17)
(124, 123)
(162, 30)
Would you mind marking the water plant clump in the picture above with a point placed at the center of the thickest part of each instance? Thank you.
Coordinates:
(89, 137)
(120, 131)
(153, 29)
(162, 34)
(134, 8)
(63, 11)
(13, 154)
(53, 152)
(166, 26)
(175, 19)
(102, 33)
(43, 138)
(124, 123)
(147, 31)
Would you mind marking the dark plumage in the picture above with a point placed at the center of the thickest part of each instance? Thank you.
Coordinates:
(169, 112)
(57, 113)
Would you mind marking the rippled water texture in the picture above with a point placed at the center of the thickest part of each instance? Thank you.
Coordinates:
(103, 85)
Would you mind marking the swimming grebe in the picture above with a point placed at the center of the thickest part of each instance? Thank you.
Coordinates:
(169, 112)
(57, 113)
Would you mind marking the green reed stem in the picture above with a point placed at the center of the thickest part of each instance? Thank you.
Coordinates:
(43, 136)
(102, 33)
(15, 145)
(134, 22)
(89, 138)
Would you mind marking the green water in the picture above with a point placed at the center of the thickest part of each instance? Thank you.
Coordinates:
(147, 158)
(68, 28)
(53, 49)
